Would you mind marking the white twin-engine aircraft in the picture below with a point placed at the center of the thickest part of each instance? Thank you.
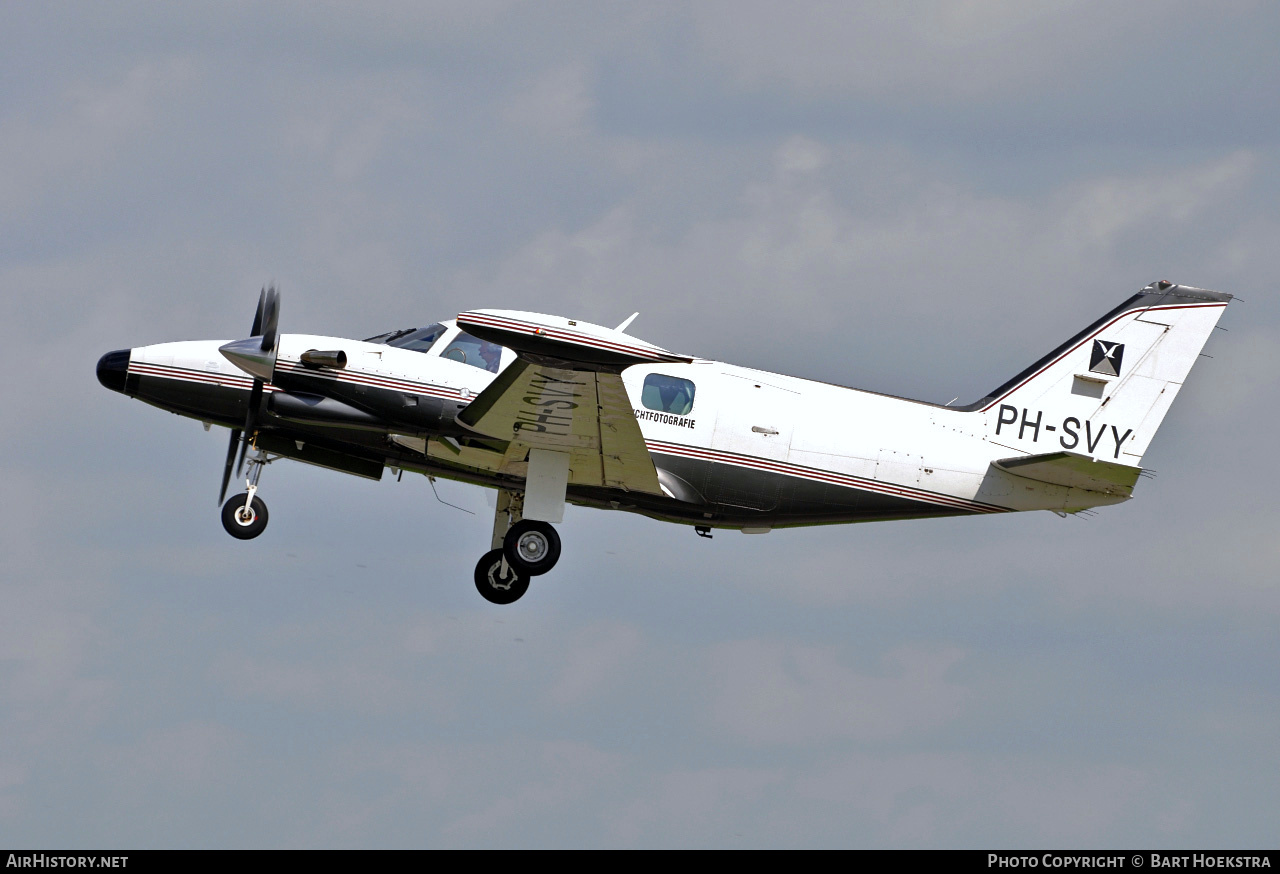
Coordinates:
(550, 410)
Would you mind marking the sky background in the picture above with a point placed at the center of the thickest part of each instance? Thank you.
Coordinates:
(913, 198)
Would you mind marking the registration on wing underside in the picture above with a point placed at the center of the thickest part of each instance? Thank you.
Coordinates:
(584, 413)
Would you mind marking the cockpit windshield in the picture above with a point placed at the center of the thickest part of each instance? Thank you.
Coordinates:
(414, 339)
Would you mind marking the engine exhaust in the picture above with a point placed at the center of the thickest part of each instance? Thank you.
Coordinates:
(337, 359)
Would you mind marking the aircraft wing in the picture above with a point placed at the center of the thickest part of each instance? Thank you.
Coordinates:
(565, 394)
(1075, 471)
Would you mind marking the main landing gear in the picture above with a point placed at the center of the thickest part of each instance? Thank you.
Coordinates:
(521, 549)
(245, 516)
(532, 547)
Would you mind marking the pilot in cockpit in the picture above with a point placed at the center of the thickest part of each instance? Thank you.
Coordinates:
(491, 355)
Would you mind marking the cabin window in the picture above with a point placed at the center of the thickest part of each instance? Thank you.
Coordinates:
(667, 394)
(474, 351)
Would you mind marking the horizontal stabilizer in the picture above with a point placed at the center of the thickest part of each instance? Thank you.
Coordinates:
(1075, 471)
(579, 345)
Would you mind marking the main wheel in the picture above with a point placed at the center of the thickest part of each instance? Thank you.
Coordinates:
(493, 585)
(532, 547)
(242, 525)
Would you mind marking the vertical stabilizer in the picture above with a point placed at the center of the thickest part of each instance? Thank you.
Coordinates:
(1106, 390)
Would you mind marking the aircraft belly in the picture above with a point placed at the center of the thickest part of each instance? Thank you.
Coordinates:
(738, 488)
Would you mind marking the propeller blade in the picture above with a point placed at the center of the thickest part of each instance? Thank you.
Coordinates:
(265, 322)
(257, 316)
(244, 444)
(226, 471)
(270, 319)
(250, 420)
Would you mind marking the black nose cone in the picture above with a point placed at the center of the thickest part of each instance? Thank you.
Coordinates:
(113, 368)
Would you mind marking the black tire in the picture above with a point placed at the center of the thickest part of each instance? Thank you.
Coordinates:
(244, 529)
(532, 547)
(493, 586)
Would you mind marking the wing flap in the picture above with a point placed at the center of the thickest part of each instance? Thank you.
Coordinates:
(625, 459)
(1075, 471)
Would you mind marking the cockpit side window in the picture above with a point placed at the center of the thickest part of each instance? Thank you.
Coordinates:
(667, 394)
(474, 351)
(413, 339)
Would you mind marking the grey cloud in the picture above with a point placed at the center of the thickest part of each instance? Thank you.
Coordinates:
(771, 694)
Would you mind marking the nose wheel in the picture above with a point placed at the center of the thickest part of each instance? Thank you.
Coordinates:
(245, 516)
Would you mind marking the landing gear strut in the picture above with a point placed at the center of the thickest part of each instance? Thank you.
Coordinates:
(245, 516)
(497, 580)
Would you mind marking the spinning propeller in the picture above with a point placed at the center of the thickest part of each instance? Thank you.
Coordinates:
(257, 357)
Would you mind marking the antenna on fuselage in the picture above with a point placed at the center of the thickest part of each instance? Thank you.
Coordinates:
(631, 318)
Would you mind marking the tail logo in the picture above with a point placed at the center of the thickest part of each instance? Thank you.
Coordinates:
(1106, 357)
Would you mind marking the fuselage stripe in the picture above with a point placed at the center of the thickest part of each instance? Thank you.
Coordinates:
(235, 381)
(190, 375)
(184, 374)
(357, 378)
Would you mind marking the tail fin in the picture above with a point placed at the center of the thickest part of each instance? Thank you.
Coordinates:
(1105, 391)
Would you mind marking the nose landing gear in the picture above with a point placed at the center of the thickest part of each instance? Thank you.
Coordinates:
(245, 516)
